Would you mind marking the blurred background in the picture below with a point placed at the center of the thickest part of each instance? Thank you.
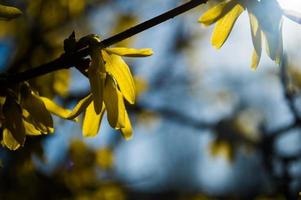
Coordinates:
(205, 125)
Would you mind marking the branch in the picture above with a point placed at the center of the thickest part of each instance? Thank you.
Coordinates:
(288, 93)
(69, 60)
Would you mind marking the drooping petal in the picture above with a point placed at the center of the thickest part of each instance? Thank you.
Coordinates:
(256, 39)
(114, 103)
(55, 109)
(80, 107)
(127, 131)
(122, 74)
(224, 26)
(13, 120)
(217, 12)
(31, 129)
(271, 26)
(273, 44)
(9, 141)
(97, 75)
(39, 114)
(121, 111)
(92, 121)
(129, 52)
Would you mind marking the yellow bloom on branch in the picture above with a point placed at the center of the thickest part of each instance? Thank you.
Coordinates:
(111, 83)
(113, 103)
(109, 61)
(24, 112)
(265, 20)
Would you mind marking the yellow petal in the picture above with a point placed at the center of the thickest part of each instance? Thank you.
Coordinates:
(271, 26)
(97, 75)
(256, 39)
(91, 123)
(255, 60)
(80, 107)
(9, 141)
(224, 26)
(216, 12)
(114, 104)
(129, 52)
(39, 114)
(273, 44)
(13, 120)
(56, 109)
(126, 131)
(8, 12)
(122, 74)
(31, 129)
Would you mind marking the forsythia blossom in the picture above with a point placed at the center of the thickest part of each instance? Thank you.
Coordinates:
(265, 20)
(23, 112)
(111, 83)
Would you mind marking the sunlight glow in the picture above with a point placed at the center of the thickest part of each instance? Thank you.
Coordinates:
(293, 5)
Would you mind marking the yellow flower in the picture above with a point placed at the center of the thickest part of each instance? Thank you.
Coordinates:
(12, 125)
(265, 20)
(109, 61)
(111, 82)
(24, 112)
(113, 103)
(105, 158)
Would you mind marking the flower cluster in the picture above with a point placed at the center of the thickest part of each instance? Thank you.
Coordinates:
(23, 112)
(265, 20)
(111, 83)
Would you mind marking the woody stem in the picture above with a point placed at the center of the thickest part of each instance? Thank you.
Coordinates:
(71, 59)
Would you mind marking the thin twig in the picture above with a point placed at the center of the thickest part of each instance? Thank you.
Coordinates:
(288, 93)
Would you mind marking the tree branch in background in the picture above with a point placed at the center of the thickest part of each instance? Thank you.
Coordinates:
(288, 93)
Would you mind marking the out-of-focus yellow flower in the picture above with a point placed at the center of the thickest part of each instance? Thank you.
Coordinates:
(194, 197)
(295, 74)
(141, 85)
(61, 82)
(110, 191)
(111, 82)
(240, 132)
(265, 20)
(105, 158)
(222, 148)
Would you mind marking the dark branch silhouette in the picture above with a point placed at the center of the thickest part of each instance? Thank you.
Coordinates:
(68, 60)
